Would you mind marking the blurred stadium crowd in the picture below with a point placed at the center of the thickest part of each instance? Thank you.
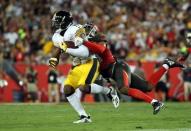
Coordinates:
(144, 30)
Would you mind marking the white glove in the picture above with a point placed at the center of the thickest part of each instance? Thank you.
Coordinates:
(63, 46)
(78, 41)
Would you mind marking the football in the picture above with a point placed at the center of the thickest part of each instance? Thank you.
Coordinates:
(70, 44)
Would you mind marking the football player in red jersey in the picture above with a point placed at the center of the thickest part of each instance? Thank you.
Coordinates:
(128, 83)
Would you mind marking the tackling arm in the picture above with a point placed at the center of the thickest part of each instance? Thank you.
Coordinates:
(95, 48)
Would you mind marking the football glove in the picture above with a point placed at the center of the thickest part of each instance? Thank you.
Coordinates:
(78, 41)
(53, 62)
(63, 46)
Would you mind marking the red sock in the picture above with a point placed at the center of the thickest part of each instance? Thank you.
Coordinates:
(155, 77)
(135, 93)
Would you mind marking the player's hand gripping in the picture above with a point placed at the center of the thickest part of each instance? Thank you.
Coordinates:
(53, 62)
(63, 46)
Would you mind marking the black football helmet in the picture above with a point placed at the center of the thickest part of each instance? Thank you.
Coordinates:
(61, 20)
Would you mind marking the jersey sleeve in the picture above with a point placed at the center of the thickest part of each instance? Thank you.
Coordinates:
(81, 51)
(95, 47)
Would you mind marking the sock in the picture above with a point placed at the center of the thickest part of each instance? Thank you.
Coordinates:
(95, 88)
(155, 77)
(154, 100)
(135, 93)
(78, 93)
(76, 104)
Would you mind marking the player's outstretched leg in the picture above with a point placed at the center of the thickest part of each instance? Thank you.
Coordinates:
(135, 93)
(75, 102)
(122, 76)
(148, 85)
(167, 64)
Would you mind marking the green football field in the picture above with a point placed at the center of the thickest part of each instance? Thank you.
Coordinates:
(129, 116)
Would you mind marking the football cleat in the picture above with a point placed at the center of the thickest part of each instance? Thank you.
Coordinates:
(157, 106)
(83, 119)
(114, 97)
(171, 63)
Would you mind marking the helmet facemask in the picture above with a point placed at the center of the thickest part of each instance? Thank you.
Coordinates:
(61, 20)
(56, 22)
(91, 30)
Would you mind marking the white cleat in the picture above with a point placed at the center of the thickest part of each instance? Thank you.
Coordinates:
(114, 97)
(83, 119)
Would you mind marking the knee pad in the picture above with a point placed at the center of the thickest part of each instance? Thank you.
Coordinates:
(68, 90)
(85, 89)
